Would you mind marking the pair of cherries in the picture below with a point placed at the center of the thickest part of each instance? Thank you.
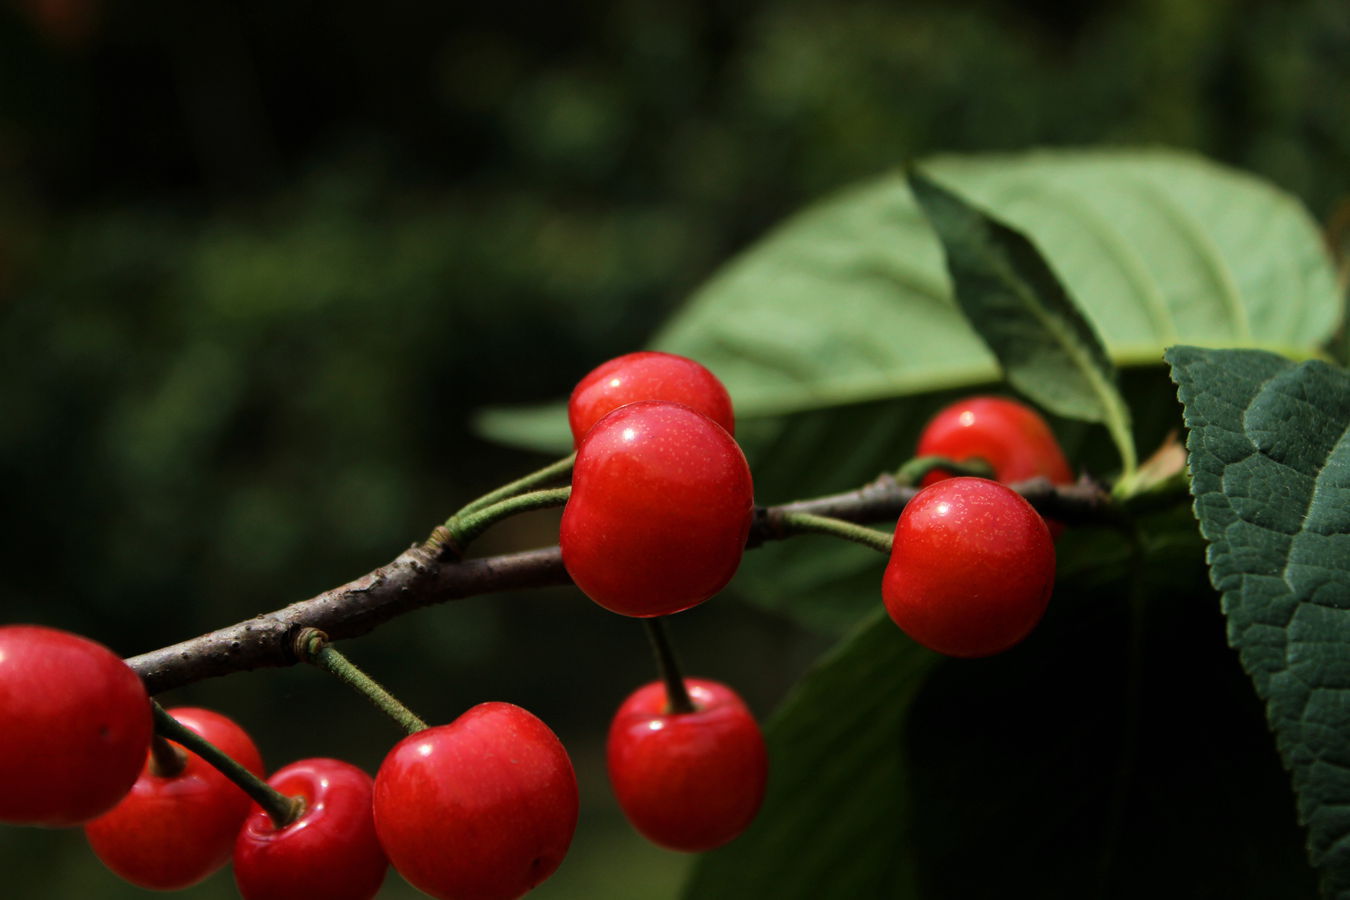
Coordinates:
(183, 819)
(972, 563)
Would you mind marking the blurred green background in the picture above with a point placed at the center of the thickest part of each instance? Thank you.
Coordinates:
(260, 263)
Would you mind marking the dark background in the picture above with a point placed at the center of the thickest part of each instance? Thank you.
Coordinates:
(260, 263)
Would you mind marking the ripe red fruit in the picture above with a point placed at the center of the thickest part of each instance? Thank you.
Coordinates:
(660, 509)
(172, 831)
(330, 851)
(76, 725)
(1010, 436)
(971, 568)
(647, 375)
(687, 781)
(480, 809)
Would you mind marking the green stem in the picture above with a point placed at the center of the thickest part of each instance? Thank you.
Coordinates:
(281, 808)
(914, 471)
(464, 529)
(312, 646)
(166, 760)
(677, 693)
(806, 523)
(1119, 427)
(551, 472)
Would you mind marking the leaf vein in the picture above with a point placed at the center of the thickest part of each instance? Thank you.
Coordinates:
(1207, 252)
(1127, 260)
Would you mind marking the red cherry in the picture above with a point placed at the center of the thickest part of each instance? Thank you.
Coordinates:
(1010, 436)
(971, 568)
(330, 851)
(660, 510)
(172, 831)
(687, 781)
(76, 725)
(647, 375)
(480, 809)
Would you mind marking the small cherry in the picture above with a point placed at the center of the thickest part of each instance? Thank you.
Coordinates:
(1010, 436)
(660, 510)
(688, 781)
(647, 375)
(330, 850)
(971, 568)
(483, 808)
(75, 724)
(177, 827)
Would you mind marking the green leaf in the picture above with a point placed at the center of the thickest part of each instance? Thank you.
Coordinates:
(1013, 299)
(543, 427)
(1118, 752)
(1269, 451)
(849, 301)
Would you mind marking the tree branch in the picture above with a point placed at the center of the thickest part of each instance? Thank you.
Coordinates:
(424, 575)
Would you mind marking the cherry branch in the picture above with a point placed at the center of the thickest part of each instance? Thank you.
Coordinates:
(427, 574)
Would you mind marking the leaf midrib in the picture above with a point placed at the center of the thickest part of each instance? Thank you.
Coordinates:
(1114, 418)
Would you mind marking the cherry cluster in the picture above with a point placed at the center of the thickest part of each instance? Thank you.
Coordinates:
(655, 522)
(971, 565)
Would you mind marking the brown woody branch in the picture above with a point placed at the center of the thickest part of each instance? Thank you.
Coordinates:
(426, 574)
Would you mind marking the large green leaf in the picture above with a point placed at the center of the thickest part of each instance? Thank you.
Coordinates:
(1015, 302)
(1117, 753)
(1270, 458)
(849, 301)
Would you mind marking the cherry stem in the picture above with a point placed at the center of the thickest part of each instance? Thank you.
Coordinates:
(312, 646)
(283, 810)
(551, 472)
(462, 528)
(806, 523)
(914, 471)
(166, 760)
(677, 693)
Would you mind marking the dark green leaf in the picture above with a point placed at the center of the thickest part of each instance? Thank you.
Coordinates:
(1270, 460)
(1118, 753)
(1015, 302)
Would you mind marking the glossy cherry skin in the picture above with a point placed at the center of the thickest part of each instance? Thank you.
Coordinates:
(173, 831)
(330, 851)
(1010, 436)
(483, 808)
(75, 724)
(660, 509)
(647, 375)
(971, 568)
(687, 781)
